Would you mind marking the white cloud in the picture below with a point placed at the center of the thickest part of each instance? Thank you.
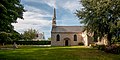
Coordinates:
(51, 3)
(37, 10)
(30, 21)
(67, 4)
(36, 18)
(70, 5)
(33, 19)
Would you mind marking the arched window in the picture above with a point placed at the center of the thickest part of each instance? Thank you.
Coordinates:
(58, 37)
(75, 37)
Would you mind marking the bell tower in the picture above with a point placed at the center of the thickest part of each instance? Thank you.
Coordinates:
(54, 19)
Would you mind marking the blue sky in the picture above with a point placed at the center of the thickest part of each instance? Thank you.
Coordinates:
(40, 12)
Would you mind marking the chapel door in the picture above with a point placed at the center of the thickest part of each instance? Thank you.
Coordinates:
(66, 42)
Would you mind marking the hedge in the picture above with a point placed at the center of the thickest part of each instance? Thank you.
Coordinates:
(30, 42)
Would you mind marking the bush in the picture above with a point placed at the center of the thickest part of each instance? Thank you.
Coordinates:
(92, 45)
(113, 49)
(101, 47)
(30, 42)
(81, 43)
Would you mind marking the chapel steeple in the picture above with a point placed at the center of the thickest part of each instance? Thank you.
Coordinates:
(54, 19)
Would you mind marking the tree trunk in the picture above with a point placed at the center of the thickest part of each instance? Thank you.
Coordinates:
(109, 37)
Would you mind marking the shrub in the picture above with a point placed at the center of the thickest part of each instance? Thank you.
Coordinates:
(81, 43)
(101, 47)
(92, 45)
(113, 49)
(30, 42)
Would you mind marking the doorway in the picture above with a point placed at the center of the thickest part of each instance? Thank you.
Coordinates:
(67, 41)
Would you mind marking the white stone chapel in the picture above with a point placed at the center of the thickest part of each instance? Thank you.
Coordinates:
(67, 35)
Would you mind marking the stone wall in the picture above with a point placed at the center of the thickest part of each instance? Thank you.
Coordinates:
(71, 41)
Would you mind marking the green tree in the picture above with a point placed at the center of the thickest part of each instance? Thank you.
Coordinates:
(4, 37)
(30, 34)
(15, 36)
(49, 39)
(101, 17)
(10, 10)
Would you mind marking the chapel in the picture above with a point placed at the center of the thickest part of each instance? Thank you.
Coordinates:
(67, 35)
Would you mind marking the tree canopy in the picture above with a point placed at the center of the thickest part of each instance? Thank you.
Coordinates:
(10, 10)
(30, 34)
(101, 17)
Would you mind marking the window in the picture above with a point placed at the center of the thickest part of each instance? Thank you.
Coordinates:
(75, 37)
(58, 37)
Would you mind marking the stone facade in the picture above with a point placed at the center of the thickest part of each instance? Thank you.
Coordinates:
(64, 37)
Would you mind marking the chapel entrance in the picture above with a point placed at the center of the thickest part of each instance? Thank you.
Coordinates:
(67, 41)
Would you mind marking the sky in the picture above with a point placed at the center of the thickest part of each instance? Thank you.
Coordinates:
(39, 15)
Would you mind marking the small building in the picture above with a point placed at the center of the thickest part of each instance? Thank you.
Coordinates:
(67, 35)
(39, 37)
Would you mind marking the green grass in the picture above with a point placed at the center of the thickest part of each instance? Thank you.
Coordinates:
(56, 53)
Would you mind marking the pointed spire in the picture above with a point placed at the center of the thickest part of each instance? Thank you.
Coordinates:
(54, 14)
(54, 19)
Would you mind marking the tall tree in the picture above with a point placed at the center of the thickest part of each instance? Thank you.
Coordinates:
(101, 17)
(30, 34)
(4, 37)
(10, 10)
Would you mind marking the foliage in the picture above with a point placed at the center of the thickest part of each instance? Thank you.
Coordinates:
(4, 37)
(113, 49)
(15, 36)
(81, 43)
(93, 45)
(30, 42)
(49, 39)
(101, 17)
(101, 47)
(30, 34)
(10, 10)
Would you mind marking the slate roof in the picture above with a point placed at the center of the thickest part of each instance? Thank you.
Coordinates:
(68, 29)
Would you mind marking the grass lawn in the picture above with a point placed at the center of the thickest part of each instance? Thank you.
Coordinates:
(55, 53)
